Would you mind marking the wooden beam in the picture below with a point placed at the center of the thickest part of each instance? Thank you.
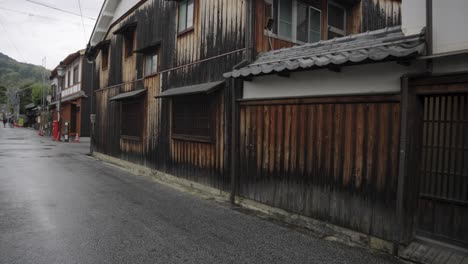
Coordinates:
(402, 164)
(284, 74)
(404, 61)
(334, 68)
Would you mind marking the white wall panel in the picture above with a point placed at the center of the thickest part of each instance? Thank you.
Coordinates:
(376, 78)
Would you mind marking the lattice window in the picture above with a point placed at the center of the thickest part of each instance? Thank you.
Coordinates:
(192, 118)
(132, 119)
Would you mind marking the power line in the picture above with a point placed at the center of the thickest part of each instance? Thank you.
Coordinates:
(58, 9)
(41, 16)
(82, 21)
(9, 39)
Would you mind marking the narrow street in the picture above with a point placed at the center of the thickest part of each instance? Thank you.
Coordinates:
(58, 205)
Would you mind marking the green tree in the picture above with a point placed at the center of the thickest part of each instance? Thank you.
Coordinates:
(38, 90)
(3, 96)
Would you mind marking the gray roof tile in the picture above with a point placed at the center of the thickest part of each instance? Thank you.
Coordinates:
(373, 45)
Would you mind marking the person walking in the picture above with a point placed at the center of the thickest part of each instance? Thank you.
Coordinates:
(4, 120)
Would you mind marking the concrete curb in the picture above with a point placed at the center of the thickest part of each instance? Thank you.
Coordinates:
(325, 230)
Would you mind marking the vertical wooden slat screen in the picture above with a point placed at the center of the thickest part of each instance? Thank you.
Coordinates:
(443, 192)
(335, 161)
(445, 148)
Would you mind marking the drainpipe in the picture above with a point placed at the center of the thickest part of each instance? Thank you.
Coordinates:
(429, 34)
(91, 116)
(402, 163)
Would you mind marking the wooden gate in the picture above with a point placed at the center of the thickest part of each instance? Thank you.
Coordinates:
(443, 185)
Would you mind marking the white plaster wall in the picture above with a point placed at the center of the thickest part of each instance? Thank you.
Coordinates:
(122, 8)
(70, 67)
(449, 17)
(413, 16)
(450, 21)
(378, 78)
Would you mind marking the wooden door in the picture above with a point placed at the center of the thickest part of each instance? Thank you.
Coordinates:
(443, 185)
(74, 120)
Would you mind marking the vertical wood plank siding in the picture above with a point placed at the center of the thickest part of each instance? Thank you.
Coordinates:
(335, 161)
(377, 14)
(213, 47)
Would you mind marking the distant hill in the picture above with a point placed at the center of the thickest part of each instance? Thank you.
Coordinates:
(17, 74)
(14, 74)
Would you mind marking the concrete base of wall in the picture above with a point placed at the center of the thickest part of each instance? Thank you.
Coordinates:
(324, 230)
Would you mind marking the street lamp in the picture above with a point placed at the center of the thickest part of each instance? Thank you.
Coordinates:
(60, 74)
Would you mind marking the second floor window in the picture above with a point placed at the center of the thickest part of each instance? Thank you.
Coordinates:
(69, 79)
(185, 15)
(151, 63)
(104, 57)
(336, 21)
(296, 21)
(128, 42)
(308, 23)
(75, 75)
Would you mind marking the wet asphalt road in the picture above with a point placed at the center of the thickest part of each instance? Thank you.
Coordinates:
(59, 206)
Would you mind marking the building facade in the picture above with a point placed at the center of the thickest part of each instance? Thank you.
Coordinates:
(299, 105)
(72, 92)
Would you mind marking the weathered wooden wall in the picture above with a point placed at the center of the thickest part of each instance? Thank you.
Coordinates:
(377, 14)
(107, 130)
(202, 55)
(207, 159)
(86, 86)
(334, 159)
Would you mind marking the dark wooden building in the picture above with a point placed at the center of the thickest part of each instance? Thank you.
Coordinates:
(161, 98)
(297, 105)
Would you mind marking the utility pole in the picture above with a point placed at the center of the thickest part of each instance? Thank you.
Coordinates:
(43, 100)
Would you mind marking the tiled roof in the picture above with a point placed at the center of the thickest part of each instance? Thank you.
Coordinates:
(204, 88)
(73, 96)
(373, 45)
(128, 95)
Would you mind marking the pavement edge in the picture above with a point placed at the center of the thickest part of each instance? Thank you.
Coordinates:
(325, 230)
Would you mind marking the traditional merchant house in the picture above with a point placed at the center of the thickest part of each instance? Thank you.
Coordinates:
(72, 91)
(316, 108)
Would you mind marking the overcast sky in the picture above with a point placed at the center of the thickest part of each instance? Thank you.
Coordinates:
(29, 32)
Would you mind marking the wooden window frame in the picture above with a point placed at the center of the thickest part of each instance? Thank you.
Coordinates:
(76, 74)
(208, 100)
(186, 29)
(69, 79)
(104, 58)
(267, 5)
(140, 124)
(332, 29)
(275, 32)
(151, 54)
(129, 43)
(309, 7)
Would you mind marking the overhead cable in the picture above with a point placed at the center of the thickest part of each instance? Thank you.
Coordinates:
(58, 9)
